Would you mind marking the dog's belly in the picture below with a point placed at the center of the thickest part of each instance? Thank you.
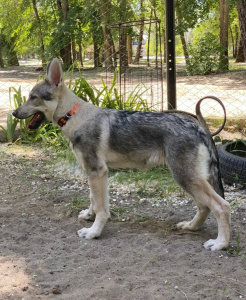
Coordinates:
(136, 159)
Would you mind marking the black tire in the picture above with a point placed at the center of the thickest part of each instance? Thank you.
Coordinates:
(232, 167)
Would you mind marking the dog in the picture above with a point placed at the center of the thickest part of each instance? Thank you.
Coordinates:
(103, 138)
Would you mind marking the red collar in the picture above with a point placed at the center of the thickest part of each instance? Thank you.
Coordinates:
(63, 120)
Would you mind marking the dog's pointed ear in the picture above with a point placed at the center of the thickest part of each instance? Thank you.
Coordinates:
(54, 73)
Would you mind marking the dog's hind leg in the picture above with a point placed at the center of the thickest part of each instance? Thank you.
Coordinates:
(208, 199)
(99, 203)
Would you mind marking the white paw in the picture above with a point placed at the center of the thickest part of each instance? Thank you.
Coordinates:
(86, 215)
(185, 225)
(215, 245)
(88, 233)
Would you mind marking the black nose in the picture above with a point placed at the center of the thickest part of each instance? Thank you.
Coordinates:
(14, 113)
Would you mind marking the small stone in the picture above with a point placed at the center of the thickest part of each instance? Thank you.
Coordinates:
(56, 290)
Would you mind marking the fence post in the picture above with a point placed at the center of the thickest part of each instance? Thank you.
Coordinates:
(170, 53)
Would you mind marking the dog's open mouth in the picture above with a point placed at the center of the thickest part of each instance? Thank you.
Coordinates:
(35, 121)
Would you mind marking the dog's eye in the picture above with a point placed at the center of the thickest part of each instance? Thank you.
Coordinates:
(33, 97)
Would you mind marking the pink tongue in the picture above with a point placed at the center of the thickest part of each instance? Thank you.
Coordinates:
(35, 121)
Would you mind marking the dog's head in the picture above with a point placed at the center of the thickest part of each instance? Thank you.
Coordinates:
(43, 98)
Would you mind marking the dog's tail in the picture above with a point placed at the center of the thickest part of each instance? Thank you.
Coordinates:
(201, 119)
(215, 175)
(214, 168)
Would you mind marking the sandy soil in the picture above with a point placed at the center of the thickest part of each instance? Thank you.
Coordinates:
(140, 254)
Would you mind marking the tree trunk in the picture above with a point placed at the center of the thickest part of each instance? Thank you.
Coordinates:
(80, 54)
(234, 46)
(105, 20)
(240, 55)
(65, 51)
(185, 49)
(123, 10)
(241, 8)
(129, 48)
(107, 48)
(12, 55)
(97, 62)
(148, 46)
(40, 33)
(182, 38)
(74, 51)
(224, 28)
(140, 42)
(1, 54)
(123, 47)
(66, 55)
(113, 50)
(237, 40)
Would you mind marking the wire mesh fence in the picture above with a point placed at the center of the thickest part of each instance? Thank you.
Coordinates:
(105, 46)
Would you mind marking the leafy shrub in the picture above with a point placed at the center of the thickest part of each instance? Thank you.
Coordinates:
(12, 123)
(10, 128)
(108, 96)
(204, 55)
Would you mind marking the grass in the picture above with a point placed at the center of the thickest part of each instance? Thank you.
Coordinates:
(155, 183)
(238, 249)
(75, 205)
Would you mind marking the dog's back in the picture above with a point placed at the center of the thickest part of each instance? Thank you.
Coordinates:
(144, 139)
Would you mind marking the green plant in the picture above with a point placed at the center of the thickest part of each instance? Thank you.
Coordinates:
(118, 212)
(238, 249)
(108, 96)
(11, 123)
(75, 205)
(17, 99)
(10, 129)
(155, 183)
(204, 55)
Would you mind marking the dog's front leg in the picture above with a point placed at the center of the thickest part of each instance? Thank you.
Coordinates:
(87, 214)
(99, 203)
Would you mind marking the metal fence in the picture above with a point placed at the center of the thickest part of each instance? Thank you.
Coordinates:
(229, 87)
(150, 76)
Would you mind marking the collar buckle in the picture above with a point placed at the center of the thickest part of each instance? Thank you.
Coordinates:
(63, 120)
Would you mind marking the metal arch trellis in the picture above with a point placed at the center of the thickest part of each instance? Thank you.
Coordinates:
(158, 62)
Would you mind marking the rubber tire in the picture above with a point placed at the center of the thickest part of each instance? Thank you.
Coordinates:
(232, 167)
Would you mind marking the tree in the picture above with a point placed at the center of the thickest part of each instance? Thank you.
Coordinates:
(240, 55)
(105, 19)
(1, 53)
(234, 30)
(97, 36)
(224, 27)
(140, 38)
(241, 7)
(66, 48)
(123, 34)
(188, 15)
(39, 31)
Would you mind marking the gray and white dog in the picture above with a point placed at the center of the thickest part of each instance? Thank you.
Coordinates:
(102, 138)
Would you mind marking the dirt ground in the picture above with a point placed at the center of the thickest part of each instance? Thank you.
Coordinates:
(140, 254)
